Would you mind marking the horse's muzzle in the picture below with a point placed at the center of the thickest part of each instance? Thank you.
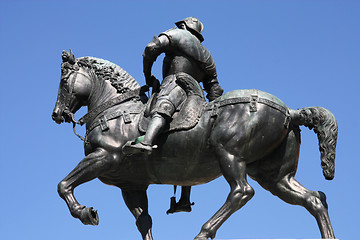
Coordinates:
(57, 116)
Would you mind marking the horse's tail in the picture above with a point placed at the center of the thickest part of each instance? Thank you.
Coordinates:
(325, 126)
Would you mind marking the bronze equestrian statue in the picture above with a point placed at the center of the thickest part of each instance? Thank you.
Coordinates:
(243, 132)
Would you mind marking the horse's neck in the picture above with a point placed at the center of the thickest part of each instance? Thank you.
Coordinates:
(102, 91)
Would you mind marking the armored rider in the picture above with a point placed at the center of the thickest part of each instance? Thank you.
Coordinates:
(184, 54)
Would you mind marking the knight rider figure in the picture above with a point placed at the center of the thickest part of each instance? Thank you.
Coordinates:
(184, 54)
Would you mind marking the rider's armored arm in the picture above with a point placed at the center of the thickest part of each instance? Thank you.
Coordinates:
(211, 74)
(211, 84)
(157, 46)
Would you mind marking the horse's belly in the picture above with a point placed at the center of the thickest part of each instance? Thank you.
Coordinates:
(185, 158)
(179, 172)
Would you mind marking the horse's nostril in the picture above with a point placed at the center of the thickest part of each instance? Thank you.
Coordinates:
(54, 115)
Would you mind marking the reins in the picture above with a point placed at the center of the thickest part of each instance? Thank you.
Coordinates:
(74, 129)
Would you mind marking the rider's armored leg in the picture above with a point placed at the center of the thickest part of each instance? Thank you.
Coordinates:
(170, 97)
(156, 126)
(164, 109)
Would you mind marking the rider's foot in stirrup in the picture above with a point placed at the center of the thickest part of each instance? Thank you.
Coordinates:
(181, 206)
(138, 147)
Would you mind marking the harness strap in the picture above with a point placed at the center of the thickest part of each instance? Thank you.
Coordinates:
(106, 105)
(102, 120)
(213, 106)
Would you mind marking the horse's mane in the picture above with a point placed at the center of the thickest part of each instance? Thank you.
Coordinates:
(108, 71)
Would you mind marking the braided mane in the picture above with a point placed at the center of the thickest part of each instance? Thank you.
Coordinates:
(121, 80)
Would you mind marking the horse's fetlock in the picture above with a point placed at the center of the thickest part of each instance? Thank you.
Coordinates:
(76, 210)
(208, 230)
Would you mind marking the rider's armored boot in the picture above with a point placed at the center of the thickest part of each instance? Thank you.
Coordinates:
(144, 144)
(184, 204)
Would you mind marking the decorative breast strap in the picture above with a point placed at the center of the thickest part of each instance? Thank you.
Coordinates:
(89, 117)
(125, 113)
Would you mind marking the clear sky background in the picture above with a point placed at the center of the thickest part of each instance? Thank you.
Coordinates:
(304, 52)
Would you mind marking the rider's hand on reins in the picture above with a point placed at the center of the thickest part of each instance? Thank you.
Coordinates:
(150, 80)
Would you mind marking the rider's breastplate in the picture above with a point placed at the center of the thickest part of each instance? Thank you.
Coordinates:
(176, 63)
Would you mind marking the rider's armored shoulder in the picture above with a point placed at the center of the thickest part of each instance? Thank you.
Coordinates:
(184, 41)
(169, 33)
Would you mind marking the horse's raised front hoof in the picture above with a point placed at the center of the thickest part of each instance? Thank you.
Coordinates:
(200, 237)
(89, 216)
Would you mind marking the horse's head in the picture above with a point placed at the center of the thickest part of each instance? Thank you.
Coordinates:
(74, 89)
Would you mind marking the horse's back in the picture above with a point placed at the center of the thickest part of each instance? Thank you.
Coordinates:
(247, 93)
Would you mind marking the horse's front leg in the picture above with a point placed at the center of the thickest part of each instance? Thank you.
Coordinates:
(92, 166)
(137, 203)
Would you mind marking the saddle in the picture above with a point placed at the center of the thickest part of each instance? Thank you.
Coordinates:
(188, 113)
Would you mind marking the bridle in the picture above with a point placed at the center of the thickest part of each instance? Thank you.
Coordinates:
(69, 78)
(70, 81)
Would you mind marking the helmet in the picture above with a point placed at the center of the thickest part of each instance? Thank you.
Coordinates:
(194, 25)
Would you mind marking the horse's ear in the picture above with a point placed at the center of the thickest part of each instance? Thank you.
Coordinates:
(71, 58)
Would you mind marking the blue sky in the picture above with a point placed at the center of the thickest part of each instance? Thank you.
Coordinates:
(304, 52)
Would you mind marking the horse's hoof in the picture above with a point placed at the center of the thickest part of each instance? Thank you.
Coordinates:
(89, 216)
(199, 237)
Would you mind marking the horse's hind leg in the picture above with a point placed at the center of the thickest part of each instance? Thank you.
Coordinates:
(91, 167)
(234, 171)
(286, 187)
(291, 191)
(137, 203)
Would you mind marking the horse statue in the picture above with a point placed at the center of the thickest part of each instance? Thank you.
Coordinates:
(243, 132)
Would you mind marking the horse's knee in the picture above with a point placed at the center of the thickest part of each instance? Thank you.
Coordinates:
(62, 188)
(144, 224)
(143, 220)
